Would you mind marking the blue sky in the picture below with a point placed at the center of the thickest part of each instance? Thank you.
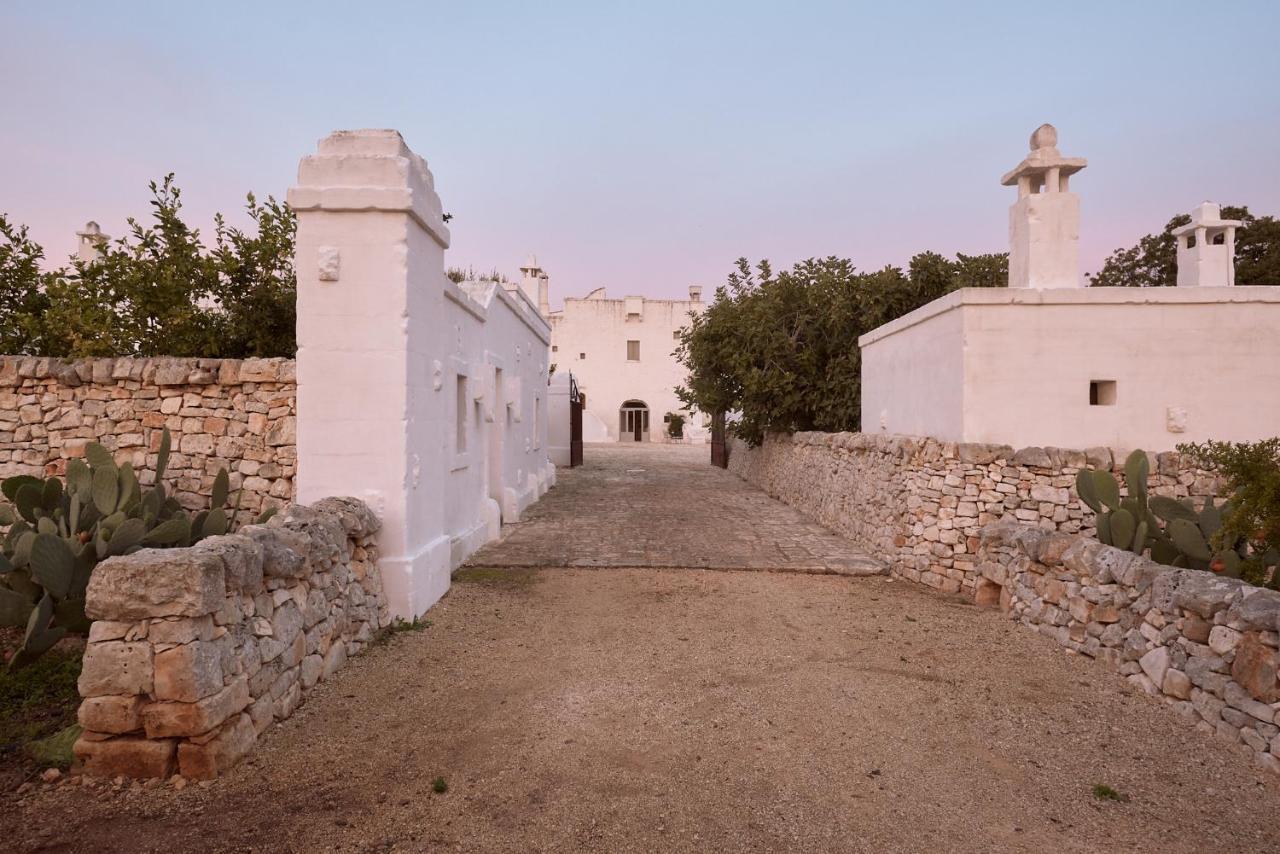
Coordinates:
(645, 146)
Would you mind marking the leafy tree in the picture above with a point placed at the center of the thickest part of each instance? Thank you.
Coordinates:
(158, 291)
(22, 301)
(781, 349)
(1153, 261)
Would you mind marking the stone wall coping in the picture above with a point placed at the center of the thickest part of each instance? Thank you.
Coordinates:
(926, 448)
(1072, 296)
(193, 581)
(1249, 608)
(157, 370)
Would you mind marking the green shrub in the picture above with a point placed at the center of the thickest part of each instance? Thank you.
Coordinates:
(781, 349)
(1252, 472)
(158, 291)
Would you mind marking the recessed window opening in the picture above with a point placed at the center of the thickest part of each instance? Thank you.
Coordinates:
(1191, 241)
(1220, 238)
(633, 351)
(460, 420)
(1102, 392)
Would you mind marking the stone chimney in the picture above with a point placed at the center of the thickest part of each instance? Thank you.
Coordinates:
(1044, 223)
(1207, 248)
(91, 242)
(695, 293)
(536, 285)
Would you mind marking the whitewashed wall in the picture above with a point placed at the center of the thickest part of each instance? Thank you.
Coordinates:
(590, 338)
(1014, 366)
(383, 338)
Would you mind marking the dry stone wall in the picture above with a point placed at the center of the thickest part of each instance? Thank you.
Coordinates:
(1208, 645)
(194, 652)
(236, 413)
(922, 504)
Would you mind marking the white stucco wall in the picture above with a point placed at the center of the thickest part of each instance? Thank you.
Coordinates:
(1206, 360)
(383, 336)
(599, 328)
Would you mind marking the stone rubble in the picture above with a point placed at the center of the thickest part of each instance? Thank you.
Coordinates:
(237, 413)
(196, 651)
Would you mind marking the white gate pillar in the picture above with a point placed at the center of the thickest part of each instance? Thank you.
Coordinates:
(371, 413)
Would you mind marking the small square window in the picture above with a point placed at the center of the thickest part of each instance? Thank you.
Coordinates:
(582, 355)
(633, 351)
(675, 335)
(555, 349)
(1102, 392)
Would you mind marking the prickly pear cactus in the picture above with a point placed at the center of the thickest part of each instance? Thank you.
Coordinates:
(1126, 523)
(59, 529)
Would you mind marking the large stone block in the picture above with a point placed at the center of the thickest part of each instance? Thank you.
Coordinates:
(139, 758)
(241, 560)
(166, 719)
(283, 552)
(116, 668)
(156, 583)
(207, 760)
(189, 672)
(114, 715)
(1255, 668)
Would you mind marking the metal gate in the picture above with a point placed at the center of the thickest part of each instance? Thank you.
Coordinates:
(719, 450)
(577, 400)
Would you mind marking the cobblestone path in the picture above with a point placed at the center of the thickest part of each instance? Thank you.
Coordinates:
(665, 506)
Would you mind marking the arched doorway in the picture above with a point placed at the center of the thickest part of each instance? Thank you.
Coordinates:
(633, 421)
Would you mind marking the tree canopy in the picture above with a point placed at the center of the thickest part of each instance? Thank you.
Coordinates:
(1153, 261)
(158, 291)
(781, 349)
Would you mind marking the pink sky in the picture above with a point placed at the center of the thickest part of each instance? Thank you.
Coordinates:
(645, 148)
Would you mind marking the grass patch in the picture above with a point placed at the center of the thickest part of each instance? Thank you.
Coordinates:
(38, 703)
(514, 579)
(398, 627)
(1103, 792)
(439, 786)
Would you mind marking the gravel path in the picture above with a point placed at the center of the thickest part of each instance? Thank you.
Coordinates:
(641, 710)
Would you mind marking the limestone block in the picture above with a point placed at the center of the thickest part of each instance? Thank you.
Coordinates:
(176, 630)
(156, 583)
(1177, 684)
(112, 714)
(1255, 668)
(241, 557)
(283, 552)
(1222, 640)
(116, 668)
(189, 672)
(165, 719)
(139, 758)
(204, 761)
(286, 623)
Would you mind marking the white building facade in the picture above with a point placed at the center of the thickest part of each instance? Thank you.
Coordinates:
(1045, 362)
(622, 354)
(424, 398)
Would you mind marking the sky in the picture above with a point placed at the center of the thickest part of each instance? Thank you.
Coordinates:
(644, 147)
